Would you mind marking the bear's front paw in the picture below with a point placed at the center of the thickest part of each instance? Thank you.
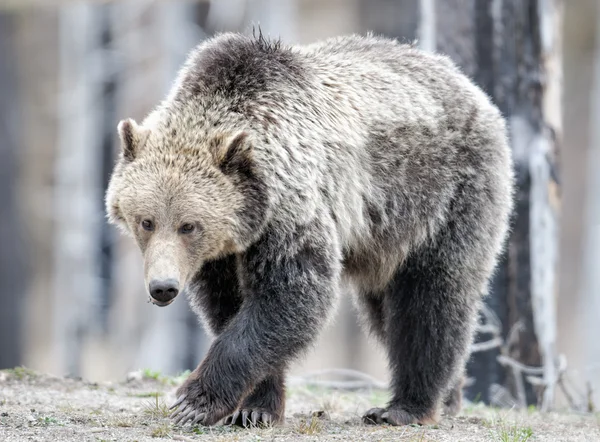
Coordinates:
(198, 404)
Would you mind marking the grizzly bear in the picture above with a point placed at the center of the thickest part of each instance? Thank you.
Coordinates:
(272, 176)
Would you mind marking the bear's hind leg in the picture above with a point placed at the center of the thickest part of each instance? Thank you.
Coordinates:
(370, 309)
(431, 306)
(453, 401)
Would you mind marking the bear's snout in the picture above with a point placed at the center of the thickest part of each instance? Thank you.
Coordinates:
(162, 293)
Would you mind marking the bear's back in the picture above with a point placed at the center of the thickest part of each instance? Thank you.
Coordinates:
(388, 81)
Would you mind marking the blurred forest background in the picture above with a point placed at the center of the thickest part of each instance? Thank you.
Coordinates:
(72, 299)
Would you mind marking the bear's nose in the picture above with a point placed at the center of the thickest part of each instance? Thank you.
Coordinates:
(164, 291)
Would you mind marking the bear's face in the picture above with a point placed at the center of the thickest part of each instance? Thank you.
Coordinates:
(177, 204)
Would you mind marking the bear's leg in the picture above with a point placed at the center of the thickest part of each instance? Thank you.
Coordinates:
(431, 305)
(217, 293)
(371, 311)
(453, 401)
(289, 281)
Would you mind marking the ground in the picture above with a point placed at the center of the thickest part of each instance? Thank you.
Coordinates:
(35, 407)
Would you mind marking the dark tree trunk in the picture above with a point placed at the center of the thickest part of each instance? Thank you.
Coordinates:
(12, 256)
(107, 239)
(498, 44)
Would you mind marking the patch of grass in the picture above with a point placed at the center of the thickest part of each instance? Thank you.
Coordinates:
(419, 438)
(331, 403)
(67, 408)
(505, 432)
(151, 374)
(198, 430)
(21, 373)
(379, 398)
(164, 379)
(473, 407)
(227, 431)
(122, 423)
(487, 423)
(179, 379)
(48, 420)
(316, 389)
(84, 420)
(310, 427)
(163, 430)
(151, 394)
(157, 409)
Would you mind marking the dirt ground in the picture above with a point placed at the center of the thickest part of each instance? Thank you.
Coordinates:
(36, 407)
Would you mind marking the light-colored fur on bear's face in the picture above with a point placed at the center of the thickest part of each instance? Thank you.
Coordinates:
(170, 187)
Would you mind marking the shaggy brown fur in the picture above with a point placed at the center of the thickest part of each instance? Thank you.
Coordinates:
(273, 175)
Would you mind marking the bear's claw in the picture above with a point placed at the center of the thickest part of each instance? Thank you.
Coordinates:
(179, 400)
(250, 418)
(187, 413)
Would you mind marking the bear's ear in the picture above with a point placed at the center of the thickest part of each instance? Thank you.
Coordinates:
(132, 138)
(234, 155)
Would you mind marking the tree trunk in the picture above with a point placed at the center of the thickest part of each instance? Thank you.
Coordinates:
(579, 296)
(12, 249)
(499, 45)
(77, 186)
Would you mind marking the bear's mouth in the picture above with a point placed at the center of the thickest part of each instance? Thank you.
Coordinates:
(159, 303)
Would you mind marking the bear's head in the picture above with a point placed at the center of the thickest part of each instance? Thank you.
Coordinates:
(186, 196)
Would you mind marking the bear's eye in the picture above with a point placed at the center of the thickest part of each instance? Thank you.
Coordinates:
(187, 228)
(148, 225)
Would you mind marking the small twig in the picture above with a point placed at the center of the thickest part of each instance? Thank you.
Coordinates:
(518, 369)
(564, 389)
(488, 328)
(513, 335)
(505, 360)
(590, 397)
(487, 345)
(363, 380)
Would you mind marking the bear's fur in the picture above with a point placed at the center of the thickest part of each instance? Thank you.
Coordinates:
(271, 176)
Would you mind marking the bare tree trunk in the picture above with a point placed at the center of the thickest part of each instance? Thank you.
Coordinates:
(77, 185)
(12, 248)
(498, 43)
(579, 295)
